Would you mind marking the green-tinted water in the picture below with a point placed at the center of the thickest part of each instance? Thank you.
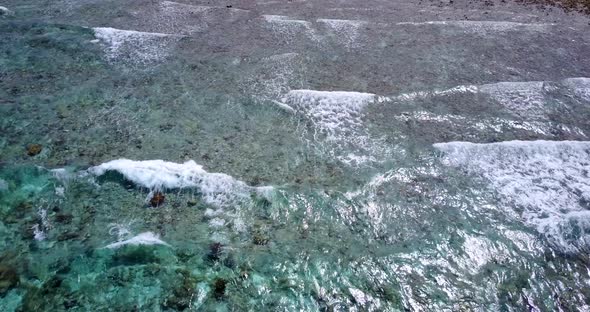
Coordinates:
(321, 188)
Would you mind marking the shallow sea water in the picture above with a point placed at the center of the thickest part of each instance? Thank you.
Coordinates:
(297, 156)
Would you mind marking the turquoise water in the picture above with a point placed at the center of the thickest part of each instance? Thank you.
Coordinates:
(191, 156)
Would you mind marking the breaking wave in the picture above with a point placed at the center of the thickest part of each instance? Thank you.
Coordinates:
(546, 183)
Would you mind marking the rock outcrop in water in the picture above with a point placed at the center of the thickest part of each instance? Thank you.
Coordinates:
(34, 149)
(215, 251)
(157, 199)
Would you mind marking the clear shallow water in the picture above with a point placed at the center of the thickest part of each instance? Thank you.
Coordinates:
(309, 157)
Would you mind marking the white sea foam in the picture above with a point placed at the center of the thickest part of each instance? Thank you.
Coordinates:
(284, 106)
(181, 17)
(147, 238)
(38, 233)
(189, 18)
(216, 223)
(275, 75)
(331, 111)
(135, 46)
(425, 94)
(354, 160)
(485, 26)
(155, 174)
(336, 118)
(40, 229)
(178, 7)
(479, 251)
(60, 191)
(216, 188)
(360, 297)
(523, 99)
(524, 241)
(281, 19)
(580, 87)
(428, 116)
(547, 180)
(5, 10)
(491, 125)
(287, 29)
(121, 230)
(530, 101)
(63, 175)
(347, 31)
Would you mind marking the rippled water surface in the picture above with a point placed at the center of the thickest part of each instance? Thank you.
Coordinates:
(293, 156)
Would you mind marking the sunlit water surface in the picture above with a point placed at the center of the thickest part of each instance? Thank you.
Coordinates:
(168, 156)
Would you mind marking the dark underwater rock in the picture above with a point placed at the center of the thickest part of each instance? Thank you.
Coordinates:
(259, 238)
(34, 149)
(215, 251)
(8, 278)
(68, 236)
(63, 218)
(219, 286)
(134, 255)
(157, 199)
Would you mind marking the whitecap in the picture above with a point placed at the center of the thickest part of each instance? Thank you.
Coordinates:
(336, 118)
(410, 96)
(275, 75)
(580, 87)
(287, 29)
(146, 238)
(135, 47)
(5, 10)
(346, 31)
(216, 188)
(183, 18)
(532, 105)
(545, 183)
(523, 99)
(331, 111)
(216, 223)
(38, 233)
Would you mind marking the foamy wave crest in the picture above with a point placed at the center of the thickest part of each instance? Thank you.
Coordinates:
(135, 47)
(580, 87)
(544, 109)
(546, 183)
(177, 17)
(147, 238)
(275, 75)
(331, 112)
(336, 117)
(288, 29)
(412, 96)
(347, 31)
(216, 188)
(524, 99)
(493, 125)
(5, 10)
